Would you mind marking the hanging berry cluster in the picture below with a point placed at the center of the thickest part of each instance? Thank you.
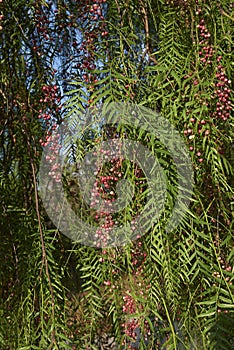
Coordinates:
(207, 51)
(134, 293)
(218, 102)
(136, 326)
(104, 191)
(43, 39)
(96, 28)
(49, 115)
(1, 18)
(222, 84)
(222, 93)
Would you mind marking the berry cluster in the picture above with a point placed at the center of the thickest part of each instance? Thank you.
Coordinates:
(130, 304)
(138, 257)
(95, 10)
(130, 330)
(53, 141)
(102, 196)
(49, 100)
(103, 192)
(222, 92)
(203, 127)
(207, 51)
(96, 28)
(42, 25)
(44, 29)
(133, 325)
(1, 18)
(49, 103)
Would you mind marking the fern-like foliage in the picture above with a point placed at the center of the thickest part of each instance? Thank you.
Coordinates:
(78, 64)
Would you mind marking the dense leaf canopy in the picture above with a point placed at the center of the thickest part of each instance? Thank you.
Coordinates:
(167, 289)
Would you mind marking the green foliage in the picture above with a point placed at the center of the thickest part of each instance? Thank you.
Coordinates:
(177, 286)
